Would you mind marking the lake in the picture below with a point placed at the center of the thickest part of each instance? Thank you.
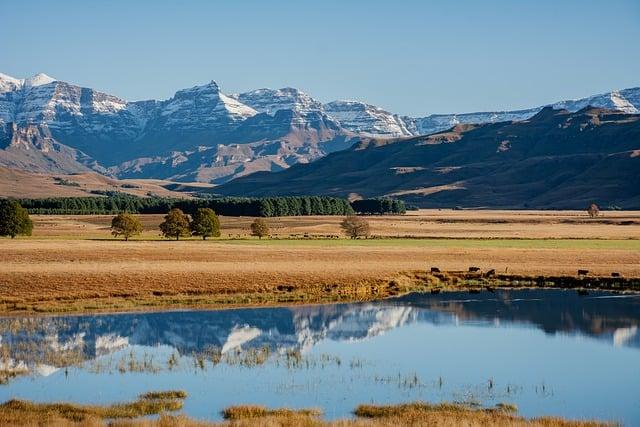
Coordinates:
(550, 352)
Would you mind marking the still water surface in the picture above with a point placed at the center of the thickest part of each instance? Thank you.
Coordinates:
(549, 352)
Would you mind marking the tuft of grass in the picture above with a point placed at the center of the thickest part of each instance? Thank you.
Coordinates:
(507, 407)
(147, 404)
(164, 395)
(387, 411)
(242, 412)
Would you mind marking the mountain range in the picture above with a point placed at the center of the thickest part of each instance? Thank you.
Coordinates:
(347, 148)
(202, 134)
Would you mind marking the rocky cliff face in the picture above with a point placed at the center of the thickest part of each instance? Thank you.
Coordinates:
(33, 148)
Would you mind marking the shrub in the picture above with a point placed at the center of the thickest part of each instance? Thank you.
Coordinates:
(593, 210)
(260, 228)
(14, 219)
(355, 227)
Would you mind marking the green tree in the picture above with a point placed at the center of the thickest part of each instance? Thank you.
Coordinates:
(176, 224)
(14, 219)
(355, 227)
(205, 223)
(125, 225)
(260, 228)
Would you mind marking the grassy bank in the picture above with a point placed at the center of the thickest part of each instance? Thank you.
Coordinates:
(282, 294)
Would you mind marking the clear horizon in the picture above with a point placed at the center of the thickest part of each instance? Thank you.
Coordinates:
(410, 58)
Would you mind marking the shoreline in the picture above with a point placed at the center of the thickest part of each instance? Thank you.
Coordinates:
(402, 284)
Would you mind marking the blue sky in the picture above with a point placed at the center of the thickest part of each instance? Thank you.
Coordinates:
(411, 57)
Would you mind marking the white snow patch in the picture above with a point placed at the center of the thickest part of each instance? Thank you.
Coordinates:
(239, 336)
(623, 335)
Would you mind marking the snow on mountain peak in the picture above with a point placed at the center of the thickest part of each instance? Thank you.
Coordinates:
(360, 117)
(38, 80)
(272, 100)
(8, 83)
(7, 78)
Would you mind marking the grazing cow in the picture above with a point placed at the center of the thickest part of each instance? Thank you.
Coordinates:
(615, 274)
(490, 272)
(474, 269)
(435, 270)
(583, 272)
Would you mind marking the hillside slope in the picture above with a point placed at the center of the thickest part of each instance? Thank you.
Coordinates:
(22, 184)
(556, 159)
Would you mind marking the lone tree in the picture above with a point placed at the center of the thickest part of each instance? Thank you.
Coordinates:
(176, 224)
(259, 228)
(205, 223)
(125, 225)
(593, 210)
(355, 227)
(14, 219)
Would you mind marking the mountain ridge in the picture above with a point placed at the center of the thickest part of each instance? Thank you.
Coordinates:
(204, 134)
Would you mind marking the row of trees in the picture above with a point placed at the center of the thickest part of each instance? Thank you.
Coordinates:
(113, 203)
(204, 223)
(380, 206)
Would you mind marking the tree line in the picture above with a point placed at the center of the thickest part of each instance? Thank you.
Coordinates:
(114, 203)
(14, 221)
(379, 206)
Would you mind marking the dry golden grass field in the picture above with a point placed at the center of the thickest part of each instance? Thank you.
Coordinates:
(72, 262)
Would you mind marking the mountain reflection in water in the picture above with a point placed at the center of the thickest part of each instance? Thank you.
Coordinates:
(602, 315)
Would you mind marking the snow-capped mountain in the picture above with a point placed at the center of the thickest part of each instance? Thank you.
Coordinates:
(353, 116)
(367, 119)
(203, 134)
(200, 133)
(270, 101)
(627, 101)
